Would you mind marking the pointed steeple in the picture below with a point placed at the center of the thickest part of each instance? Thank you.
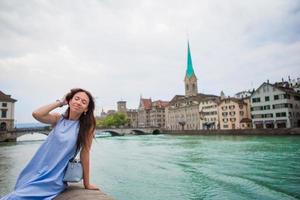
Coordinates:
(189, 69)
(190, 80)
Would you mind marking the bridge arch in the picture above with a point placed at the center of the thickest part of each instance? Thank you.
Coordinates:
(137, 132)
(156, 132)
(32, 136)
(32, 132)
(113, 133)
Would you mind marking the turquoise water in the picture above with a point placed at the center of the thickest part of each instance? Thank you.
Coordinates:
(181, 167)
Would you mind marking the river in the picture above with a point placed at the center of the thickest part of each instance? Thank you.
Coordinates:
(156, 167)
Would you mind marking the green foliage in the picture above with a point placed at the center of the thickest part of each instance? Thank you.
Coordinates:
(114, 120)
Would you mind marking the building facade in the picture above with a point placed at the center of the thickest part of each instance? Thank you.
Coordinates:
(131, 114)
(144, 112)
(121, 106)
(182, 112)
(157, 113)
(275, 106)
(234, 113)
(7, 110)
(208, 110)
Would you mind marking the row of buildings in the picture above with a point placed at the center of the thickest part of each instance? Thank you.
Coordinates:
(274, 105)
(269, 106)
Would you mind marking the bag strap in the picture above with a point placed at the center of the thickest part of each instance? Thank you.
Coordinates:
(77, 151)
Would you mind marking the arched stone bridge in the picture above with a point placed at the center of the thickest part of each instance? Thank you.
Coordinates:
(12, 135)
(130, 131)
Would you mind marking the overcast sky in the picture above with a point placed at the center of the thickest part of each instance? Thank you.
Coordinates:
(124, 49)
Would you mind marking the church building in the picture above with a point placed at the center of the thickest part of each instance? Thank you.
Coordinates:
(182, 112)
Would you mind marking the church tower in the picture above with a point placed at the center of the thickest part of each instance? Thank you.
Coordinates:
(190, 80)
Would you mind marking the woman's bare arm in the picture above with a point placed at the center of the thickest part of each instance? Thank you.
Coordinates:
(43, 114)
(85, 160)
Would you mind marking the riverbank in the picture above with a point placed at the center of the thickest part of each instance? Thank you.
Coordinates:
(286, 131)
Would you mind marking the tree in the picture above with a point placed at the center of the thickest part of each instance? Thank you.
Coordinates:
(116, 119)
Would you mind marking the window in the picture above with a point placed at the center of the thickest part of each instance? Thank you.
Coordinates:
(282, 105)
(282, 96)
(232, 113)
(4, 104)
(224, 107)
(187, 87)
(269, 115)
(267, 107)
(287, 96)
(225, 120)
(257, 116)
(254, 108)
(255, 100)
(231, 107)
(241, 113)
(232, 119)
(225, 126)
(3, 113)
(282, 114)
(267, 98)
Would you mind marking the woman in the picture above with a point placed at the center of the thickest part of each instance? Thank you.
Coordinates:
(42, 178)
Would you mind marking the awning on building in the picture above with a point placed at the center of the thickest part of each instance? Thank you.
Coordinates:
(269, 122)
(281, 121)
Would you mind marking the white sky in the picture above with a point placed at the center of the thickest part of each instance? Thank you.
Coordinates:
(122, 49)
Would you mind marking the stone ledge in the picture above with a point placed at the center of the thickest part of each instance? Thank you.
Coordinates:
(77, 192)
(256, 132)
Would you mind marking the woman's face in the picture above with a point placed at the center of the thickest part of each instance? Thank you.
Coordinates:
(79, 103)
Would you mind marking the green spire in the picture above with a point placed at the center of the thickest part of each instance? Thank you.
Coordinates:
(189, 69)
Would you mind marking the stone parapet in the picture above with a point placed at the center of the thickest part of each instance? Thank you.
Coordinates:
(77, 192)
(283, 131)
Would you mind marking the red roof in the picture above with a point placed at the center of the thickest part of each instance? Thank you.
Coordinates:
(5, 97)
(146, 103)
(161, 104)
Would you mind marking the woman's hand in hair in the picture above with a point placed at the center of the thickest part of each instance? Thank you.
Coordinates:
(63, 101)
(91, 187)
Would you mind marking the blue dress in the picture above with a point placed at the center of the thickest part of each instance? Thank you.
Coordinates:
(42, 178)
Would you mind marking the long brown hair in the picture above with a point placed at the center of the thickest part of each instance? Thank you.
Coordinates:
(87, 121)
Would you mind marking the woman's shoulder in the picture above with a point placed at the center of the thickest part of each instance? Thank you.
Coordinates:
(57, 116)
